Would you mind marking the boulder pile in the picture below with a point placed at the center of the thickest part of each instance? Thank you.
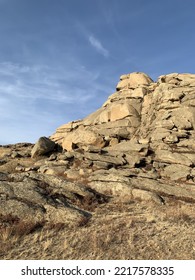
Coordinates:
(144, 131)
(139, 144)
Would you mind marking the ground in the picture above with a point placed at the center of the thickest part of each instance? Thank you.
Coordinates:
(134, 230)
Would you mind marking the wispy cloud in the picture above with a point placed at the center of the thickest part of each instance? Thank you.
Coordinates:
(98, 46)
(46, 83)
(38, 98)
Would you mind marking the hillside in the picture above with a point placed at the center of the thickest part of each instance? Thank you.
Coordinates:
(119, 184)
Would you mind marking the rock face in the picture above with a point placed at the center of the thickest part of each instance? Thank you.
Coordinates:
(37, 197)
(138, 145)
(149, 124)
(117, 119)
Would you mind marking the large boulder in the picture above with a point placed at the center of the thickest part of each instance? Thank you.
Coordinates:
(81, 138)
(133, 80)
(43, 146)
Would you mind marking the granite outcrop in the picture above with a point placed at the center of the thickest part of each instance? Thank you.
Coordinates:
(138, 145)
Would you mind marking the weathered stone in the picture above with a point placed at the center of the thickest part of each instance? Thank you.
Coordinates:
(183, 118)
(133, 159)
(182, 191)
(66, 156)
(133, 80)
(113, 125)
(108, 177)
(118, 189)
(171, 157)
(189, 143)
(102, 164)
(39, 197)
(62, 131)
(167, 124)
(55, 170)
(147, 195)
(151, 174)
(113, 141)
(122, 110)
(170, 139)
(159, 134)
(127, 146)
(82, 138)
(139, 92)
(43, 146)
(85, 172)
(144, 141)
(119, 160)
(20, 168)
(72, 174)
(176, 172)
(39, 163)
(116, 132)
(92, 149)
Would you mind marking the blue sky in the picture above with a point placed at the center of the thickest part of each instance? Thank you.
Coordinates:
(61, 59)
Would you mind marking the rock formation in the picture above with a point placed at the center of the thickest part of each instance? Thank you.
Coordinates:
(139, 144)
(148, 125)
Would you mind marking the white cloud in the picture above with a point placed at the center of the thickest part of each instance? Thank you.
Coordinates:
(47, 83)
(36, 99)
(98, 46)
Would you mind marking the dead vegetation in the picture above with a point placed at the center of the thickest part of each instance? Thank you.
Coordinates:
(117, 230)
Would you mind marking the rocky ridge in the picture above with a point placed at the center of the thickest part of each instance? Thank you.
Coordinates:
(142, 136)
(138, 145)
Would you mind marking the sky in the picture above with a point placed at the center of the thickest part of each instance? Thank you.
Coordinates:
(61, 59)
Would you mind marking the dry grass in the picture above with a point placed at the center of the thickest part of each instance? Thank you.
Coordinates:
(117, 230)
(12, 230)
